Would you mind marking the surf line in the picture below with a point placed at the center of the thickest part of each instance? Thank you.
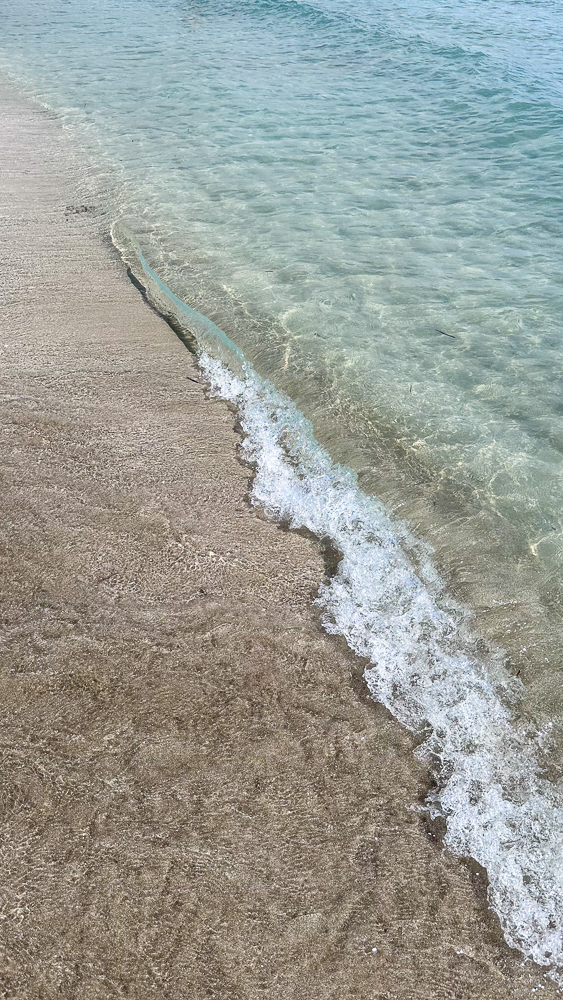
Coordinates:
(422, 662)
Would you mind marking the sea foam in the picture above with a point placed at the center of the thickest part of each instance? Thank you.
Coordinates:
(388, 603)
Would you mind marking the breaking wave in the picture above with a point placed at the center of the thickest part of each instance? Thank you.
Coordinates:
(387, 601)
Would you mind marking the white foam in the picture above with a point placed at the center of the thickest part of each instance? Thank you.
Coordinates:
(388, 603)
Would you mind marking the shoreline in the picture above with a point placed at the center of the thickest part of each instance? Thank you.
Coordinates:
(198, 796)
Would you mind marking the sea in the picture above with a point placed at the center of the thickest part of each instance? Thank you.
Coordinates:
(354, 211)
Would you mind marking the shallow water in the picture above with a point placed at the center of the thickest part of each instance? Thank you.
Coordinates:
(367, 199)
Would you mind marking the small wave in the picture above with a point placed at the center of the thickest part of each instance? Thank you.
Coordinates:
(498, 809)
(388, 602)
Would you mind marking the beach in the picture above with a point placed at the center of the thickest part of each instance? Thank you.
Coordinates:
(199, 798)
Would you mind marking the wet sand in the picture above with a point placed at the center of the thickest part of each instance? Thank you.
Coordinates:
(197, 798)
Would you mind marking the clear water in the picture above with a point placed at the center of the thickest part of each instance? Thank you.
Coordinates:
(367, 197)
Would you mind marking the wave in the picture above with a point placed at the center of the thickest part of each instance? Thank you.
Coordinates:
(387, 601)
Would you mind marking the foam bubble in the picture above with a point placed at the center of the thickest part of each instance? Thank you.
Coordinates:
(388, 602)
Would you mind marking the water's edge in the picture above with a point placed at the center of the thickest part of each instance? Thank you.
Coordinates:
(426, 667)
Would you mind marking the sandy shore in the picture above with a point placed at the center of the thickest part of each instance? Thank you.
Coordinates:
(197, 798)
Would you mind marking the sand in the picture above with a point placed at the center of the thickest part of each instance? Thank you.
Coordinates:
(197, 798)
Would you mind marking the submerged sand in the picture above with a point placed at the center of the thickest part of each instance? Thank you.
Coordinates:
(197, 798)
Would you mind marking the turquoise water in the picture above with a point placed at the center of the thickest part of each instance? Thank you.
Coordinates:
(367, 198)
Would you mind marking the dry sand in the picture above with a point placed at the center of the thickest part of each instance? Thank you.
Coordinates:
(197, 798)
